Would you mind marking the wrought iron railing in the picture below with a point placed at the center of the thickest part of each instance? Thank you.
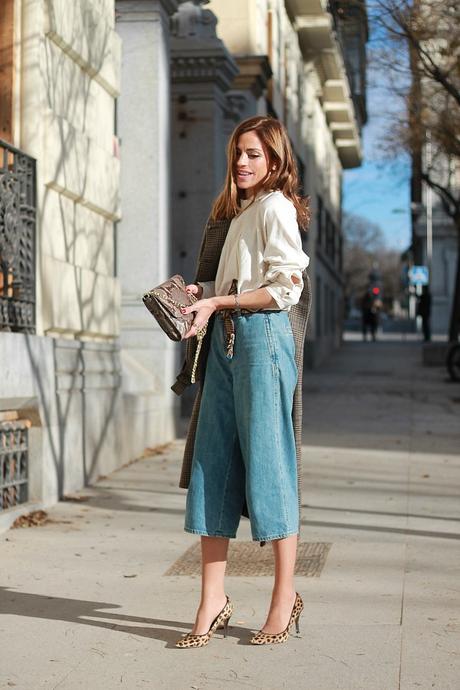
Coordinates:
(351, 27)
(17, 240)
(13, 464)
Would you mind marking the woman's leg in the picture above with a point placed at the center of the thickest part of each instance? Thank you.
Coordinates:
(213, 598)
(283, 595)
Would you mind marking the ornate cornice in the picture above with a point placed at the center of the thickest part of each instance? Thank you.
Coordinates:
(254, 73)
(197, 54)
(200, 66)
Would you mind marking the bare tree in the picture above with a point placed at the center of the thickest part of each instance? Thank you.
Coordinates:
(365, 250)
(420, 48)
(390, 267)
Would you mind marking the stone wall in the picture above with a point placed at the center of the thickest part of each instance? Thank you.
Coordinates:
(70, 76)
(65, 379)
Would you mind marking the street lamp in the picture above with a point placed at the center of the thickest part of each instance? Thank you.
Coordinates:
(429, 207)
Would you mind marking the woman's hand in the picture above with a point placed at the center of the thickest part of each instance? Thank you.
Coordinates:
(204, 309)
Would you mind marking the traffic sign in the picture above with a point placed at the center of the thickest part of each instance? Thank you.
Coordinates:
(418, 275)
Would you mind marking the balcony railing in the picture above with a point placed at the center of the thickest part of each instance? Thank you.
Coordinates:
(17, 240)
(351, 27)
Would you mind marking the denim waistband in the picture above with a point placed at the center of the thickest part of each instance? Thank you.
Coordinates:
(229, 327)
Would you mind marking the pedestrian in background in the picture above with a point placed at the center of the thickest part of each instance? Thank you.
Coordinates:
(244, 447)
(424, 310)
(370, 315)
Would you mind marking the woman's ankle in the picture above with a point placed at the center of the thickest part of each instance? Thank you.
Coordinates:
(281, 595)
(212, 597)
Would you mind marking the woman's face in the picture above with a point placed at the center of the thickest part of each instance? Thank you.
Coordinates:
(250, 164)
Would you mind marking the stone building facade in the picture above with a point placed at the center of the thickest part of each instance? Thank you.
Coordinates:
(114, 117)
(302, 61)
(439, 255)
(64, 416)
(435, 241)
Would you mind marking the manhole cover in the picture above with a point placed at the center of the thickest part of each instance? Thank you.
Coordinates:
(248, 559)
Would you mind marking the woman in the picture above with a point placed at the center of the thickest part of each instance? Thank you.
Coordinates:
(244, 455)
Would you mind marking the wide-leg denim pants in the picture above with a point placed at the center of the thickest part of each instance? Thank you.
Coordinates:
(245, 446)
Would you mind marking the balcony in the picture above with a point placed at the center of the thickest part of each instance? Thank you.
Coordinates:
(317, 23)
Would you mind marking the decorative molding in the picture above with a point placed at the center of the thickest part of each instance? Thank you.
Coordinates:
(254, 73)
(204, 68)
(191, 20)
(197, 54)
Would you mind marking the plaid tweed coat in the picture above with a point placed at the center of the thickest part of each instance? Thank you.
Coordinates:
(211, 247)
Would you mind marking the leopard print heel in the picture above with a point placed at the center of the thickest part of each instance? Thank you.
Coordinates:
(267, 638)
(220, 621)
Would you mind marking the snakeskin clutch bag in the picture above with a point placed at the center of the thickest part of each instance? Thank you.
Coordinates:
(164, 303)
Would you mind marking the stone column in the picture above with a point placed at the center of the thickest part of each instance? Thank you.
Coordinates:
(149, 358)
(246, 95)
(202, 72)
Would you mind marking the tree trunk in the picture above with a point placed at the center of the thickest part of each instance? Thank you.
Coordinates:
(455, 313)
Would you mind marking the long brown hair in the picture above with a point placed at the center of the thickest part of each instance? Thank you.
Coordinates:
(284, 177)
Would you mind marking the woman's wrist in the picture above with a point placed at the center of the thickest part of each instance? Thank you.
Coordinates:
(254, 300)
(223, 302)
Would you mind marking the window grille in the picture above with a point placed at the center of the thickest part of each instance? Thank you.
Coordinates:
(17, 240)
(14, 462)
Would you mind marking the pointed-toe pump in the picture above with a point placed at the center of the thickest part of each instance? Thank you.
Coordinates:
(220, 621)
(275, 638)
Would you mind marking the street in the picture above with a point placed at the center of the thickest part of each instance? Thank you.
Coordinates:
(85, 601)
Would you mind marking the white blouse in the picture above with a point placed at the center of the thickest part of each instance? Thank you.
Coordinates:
(263, 248)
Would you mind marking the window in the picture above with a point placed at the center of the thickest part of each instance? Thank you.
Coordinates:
(319, 221)
(318, 309)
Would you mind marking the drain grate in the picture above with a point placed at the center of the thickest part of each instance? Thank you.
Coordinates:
(248, 559)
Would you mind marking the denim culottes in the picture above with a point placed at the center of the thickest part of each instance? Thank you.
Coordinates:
(244, 445)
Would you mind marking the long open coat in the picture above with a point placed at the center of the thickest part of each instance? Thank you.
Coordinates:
(211, 247)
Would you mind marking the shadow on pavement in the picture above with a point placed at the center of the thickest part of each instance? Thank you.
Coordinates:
(378, 528)
(89, 612)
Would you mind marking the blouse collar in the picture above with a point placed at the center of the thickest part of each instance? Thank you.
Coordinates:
(244, 203)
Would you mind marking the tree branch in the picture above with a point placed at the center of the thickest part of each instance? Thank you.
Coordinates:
(450, 204)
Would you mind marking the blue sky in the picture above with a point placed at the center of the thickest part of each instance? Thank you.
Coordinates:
(380, 189)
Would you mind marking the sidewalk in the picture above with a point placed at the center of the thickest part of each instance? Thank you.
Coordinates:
(85, 602)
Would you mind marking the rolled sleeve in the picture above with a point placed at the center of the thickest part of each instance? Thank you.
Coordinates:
(283, 256)
(209, 288)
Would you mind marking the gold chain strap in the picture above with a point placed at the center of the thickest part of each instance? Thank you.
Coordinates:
(200, 332)
(177, 304)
